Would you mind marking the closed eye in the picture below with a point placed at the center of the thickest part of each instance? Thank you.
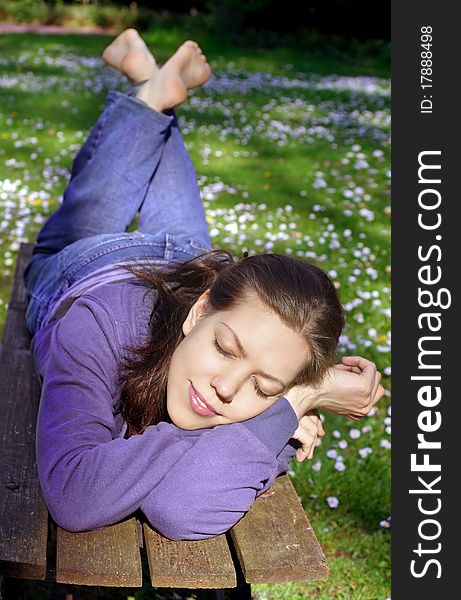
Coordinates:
(259, 392)
(220, 350)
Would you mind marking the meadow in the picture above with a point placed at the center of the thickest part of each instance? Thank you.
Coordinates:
(292, 152)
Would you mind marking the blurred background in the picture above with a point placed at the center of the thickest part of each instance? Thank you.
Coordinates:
(290, 139)
(358, 18)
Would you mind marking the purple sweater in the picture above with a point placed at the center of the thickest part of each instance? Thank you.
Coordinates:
(189, 484)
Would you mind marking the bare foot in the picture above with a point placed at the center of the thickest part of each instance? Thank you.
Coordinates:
(129, 54)
(186, 69)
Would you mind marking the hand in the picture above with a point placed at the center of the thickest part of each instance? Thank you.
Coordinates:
(310, 428)
(351, 388)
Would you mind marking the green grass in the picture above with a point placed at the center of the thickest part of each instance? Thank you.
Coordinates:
(310, 178)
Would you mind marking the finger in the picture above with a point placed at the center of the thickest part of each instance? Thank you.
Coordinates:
(349, 368)
(366, 367)
(307, 441)
(374, 391)
(307, 451)
(312, 424)
(379, 394)
(318, 429)
(378, 390)
(342, 367)
(301, 455)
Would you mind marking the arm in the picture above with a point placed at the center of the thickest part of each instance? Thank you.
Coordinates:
(350, 388)
(90, 480)
(211, 488)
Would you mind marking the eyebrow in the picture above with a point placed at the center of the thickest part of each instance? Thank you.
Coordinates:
(245, 355)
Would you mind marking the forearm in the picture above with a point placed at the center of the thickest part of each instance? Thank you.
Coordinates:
(213, 486)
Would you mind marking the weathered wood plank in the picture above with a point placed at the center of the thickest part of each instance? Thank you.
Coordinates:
(275, 541)
(23, 515)
(15, 333)
(189, 564)
(18, 295)
(109, 556)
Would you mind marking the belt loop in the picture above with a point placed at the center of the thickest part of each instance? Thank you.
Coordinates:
(169, 246)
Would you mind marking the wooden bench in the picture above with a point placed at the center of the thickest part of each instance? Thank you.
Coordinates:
(274, 542)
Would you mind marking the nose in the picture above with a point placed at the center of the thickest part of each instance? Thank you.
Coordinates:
(224, 387)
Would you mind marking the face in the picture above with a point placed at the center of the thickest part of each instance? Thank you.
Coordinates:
(231, 365)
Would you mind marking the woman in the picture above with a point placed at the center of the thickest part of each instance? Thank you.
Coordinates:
(176, 380)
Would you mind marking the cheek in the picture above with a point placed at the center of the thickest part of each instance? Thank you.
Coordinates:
(204, 364)
(254, 406)
(194, 357)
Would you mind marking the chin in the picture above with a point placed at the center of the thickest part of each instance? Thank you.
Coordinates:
(181, 420)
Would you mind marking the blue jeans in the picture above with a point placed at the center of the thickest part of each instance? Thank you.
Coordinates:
(133, 160)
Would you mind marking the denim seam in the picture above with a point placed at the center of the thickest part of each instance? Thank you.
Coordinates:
(111, 249)
(65, 251)
(98, 133)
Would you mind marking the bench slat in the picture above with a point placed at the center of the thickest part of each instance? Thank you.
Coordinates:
(23, 514)
(15, 333)
(18, 295)
(189, 564)
(109, 556)
(275, 541)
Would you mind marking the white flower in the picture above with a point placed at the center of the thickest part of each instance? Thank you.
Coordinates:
(339, 465)
(385, 444)
(354, 433)
(317, 465)
(342, 444)
(364, 452)
(332, 501)
(336, 433)
(332, 453)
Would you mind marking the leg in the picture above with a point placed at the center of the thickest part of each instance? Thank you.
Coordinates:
(110, 174)
(172, 203)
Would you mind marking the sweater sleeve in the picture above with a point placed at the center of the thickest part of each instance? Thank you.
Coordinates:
(189, 486)
(211, 488)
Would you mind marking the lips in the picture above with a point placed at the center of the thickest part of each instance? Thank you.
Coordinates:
(198, 404)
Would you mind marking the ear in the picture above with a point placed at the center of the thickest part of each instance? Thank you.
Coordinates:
(196, 312)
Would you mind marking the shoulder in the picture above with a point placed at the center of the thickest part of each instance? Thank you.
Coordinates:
(118, 297)
(128, 305)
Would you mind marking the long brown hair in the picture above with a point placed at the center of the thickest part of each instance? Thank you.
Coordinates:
(301, 294)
